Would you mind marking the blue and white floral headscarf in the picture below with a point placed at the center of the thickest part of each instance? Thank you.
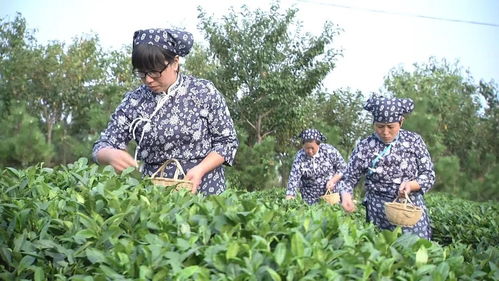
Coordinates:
(312, 134)
(388, 110)
(176, 41)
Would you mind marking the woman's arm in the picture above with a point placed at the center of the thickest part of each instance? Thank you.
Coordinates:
(426, 175)
(332, 182)
(356, 167)
(294, 180)
(339, 165)
(110, 148)
(119, 159)
(223, 134)
(196, 174)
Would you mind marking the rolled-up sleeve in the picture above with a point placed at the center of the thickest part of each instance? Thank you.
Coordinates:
(354, 170)
(116, 135)
(221, 127)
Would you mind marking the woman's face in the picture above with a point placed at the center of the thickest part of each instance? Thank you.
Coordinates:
(387, 131)
(310, 148)
(167, 78)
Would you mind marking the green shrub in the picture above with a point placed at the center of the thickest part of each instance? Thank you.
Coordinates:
(81, 222)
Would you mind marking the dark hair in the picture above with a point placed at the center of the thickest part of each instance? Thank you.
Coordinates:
(318, 142)
(150, 57)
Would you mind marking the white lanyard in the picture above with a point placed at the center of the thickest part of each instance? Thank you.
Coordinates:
(137, 121)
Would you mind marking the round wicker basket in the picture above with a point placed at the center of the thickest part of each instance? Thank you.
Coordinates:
(178, 183)
(404, 213)
(330, 197)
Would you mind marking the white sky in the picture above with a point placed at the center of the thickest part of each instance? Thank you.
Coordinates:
(373, 42)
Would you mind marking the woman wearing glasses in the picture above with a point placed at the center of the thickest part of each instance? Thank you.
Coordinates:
(171, 115)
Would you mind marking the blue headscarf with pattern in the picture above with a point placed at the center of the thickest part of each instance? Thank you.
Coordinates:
(176, 41)
(388, 110)
(312, 134)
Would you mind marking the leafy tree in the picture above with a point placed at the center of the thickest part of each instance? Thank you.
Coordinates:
(267, 68)
(89, 121)
(454, 121)
(23, 143)
(342, 118)
(15, 60)
(256, 165)
(63, 82)
(65, 87)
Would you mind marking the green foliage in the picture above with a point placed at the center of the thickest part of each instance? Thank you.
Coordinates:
(257, 159)
(22, 143)
(449, 174)
(70, 90)
(344, 121)
(267, 69)
(457, 220)
(81, 222)
(15, 60)
(457, 119)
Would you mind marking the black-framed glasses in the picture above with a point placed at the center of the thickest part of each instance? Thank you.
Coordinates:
(152, 74)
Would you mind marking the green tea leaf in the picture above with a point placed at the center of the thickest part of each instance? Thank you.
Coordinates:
(232, 250)
(95, 256)
(273, 274)
(421, 256)
(297, 244)
(280, 253)
(39, 274)
(188, 272)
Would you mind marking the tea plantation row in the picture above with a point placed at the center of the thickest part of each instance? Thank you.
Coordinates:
(78, 222)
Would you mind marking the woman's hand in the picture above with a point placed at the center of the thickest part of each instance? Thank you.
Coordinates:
(332, 182)
(117, 158)
(290, 197)
(407, 187)
(195, 175)
(347, 202)
(330, 185)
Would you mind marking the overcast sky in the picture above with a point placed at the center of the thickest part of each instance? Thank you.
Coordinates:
(378, 34)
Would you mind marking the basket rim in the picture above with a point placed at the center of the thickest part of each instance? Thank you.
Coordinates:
(403, 207)
(171, 179)
(331, 198)
(331, 195)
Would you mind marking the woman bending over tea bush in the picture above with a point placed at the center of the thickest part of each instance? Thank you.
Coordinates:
(316, 168)
(395, 162)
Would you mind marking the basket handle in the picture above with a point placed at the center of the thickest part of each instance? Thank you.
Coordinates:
(404, 200)
(168, 162)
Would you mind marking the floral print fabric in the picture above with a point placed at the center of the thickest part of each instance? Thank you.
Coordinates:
(312, 134)
(407, 159)
(176, 41)
(310, 174)
(388, 110)
(192, 122)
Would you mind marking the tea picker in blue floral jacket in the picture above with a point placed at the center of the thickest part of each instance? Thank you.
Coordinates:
(171, 115)
(394, 161)
(316, 168)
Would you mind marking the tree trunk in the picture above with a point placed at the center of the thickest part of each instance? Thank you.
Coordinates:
(260, 135)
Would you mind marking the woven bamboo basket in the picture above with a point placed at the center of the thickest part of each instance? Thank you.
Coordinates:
(175, 181)
(403, 213)
(330, 197)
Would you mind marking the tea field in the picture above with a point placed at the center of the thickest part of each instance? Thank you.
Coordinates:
(81, 222)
